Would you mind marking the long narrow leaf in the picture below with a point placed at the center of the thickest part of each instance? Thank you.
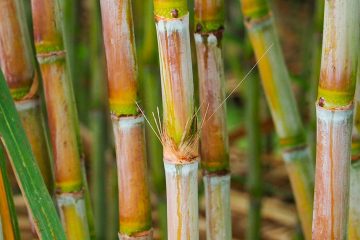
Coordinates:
(27, 173)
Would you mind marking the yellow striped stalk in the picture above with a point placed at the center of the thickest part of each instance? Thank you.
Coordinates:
(62, 117)
(209, 27)
(334, 108)
(128, 122)
(18, 68)
(179, 133)
(276, 83)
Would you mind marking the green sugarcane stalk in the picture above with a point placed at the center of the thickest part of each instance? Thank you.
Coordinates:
(315, 71)
(98, 121)
(32, 186)
(334, 108)
(276, 84)
(254, 183)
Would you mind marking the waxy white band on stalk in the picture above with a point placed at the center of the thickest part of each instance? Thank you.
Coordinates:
(217, 190)
(333, 158)
(147, 236)
(51, 57)
(298, 154)
(129, 122)
(182, 200)
(26, 104)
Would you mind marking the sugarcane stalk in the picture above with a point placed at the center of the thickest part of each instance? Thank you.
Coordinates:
(128, 123)
(254, 159)
(315, 71)
(62, 117)
(18, 68)
(276, 84)
(335, 118)
(209, 27)
(9, 228)
(98, 120)
(178, 132)
(27, 173)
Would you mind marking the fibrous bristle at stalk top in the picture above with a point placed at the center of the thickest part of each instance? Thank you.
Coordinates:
(187, 150)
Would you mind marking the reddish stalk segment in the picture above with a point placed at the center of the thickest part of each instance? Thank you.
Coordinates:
(62, 117)
(209, 21)
(134, 214)
(334, 118)
(332, 169)
(128, 125)
(15, 50)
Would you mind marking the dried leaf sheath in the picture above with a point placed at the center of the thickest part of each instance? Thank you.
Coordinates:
(334, 117)
(276, 83)
(128, 126)
(61, 117)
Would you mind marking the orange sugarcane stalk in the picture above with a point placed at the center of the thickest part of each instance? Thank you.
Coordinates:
(62, 118)
(209, 27)
(334, 109)
(17, 63)
(128, 122)
(179, 134)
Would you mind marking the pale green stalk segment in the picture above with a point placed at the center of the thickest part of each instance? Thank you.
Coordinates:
(26, 171)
